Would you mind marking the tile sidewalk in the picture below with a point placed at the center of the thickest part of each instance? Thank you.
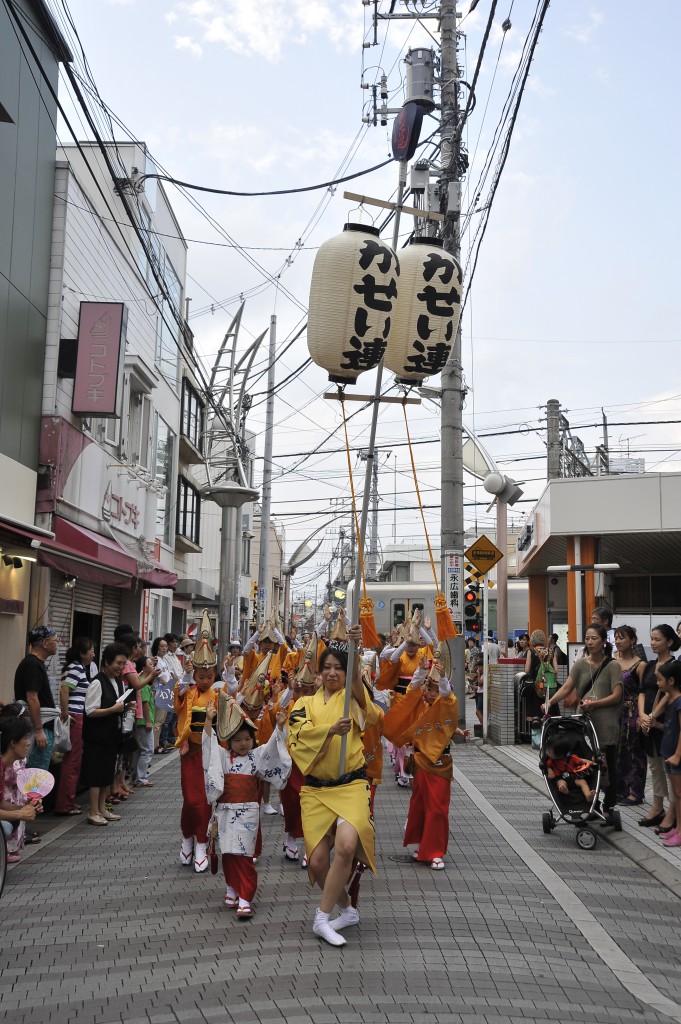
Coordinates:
(103, 926)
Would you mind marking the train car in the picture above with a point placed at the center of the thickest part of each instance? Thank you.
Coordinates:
(394, 603)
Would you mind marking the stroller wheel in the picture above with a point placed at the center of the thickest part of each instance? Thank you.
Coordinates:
(616, 820)
(547, 822)
(586, 839)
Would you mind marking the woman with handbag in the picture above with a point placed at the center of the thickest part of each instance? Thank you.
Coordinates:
(104, 709)
(651, 710)
(597, 678)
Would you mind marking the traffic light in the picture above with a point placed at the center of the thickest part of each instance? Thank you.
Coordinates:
(471, 609)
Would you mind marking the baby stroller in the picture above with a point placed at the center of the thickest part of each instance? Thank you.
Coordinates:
(573, 808)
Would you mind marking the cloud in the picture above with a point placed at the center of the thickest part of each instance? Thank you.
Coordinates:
(584, 33)
(535, 85)
(261, 28)
(170, 17)
(187, 43)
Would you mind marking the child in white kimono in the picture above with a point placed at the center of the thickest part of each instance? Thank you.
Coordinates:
(234, 779)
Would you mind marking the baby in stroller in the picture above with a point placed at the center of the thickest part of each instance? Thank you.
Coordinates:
(570, 771)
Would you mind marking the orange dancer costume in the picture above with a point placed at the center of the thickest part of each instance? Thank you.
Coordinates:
(427, 718)
(303, 685)
(398, 666)
(192, 695)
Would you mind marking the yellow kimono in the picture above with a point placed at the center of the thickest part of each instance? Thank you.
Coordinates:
(309, 725)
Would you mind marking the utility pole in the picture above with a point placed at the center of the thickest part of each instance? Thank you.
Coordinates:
(553, 439)
(452, 525)
(372, 558)
(265, 505)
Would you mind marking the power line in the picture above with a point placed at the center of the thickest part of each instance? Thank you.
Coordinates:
(275, 192)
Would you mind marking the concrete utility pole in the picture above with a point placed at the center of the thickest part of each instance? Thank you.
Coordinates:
(452, 526)
(553, 439)
(263, 554)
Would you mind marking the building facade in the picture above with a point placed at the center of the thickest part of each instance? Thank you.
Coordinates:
(27, 169)
(115, 485)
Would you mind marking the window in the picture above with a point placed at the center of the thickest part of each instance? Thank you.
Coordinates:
(139, 426)
(666, 593)
(105, 430)
(245, 556)
(192, 415)
(632, 593)
(398, 614)
(164, 448)
(401, 572)
(188, 511)
(168, 331)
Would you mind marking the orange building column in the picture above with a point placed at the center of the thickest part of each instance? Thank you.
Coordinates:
(537, 603)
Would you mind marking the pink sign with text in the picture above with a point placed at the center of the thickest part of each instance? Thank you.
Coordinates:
(97, 389)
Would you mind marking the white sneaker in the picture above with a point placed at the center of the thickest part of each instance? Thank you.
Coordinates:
(200, 858)
(187, 851)
(268, 809)
(323, 930)
(346, 917)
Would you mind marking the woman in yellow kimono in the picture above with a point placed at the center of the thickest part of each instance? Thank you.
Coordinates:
(335, 810)
(427, 718)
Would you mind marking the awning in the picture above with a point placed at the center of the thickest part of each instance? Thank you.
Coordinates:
(159, 577)
(90, 556)
(27, 531)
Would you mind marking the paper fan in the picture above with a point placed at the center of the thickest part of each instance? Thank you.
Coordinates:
(35, 782)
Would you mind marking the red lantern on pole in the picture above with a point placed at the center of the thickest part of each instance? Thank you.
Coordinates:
(352, 295)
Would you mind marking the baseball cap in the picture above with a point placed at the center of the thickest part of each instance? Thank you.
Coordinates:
(40, 633)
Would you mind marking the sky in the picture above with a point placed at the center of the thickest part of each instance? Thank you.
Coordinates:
(576, 291)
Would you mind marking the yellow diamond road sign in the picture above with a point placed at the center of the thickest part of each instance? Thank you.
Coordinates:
(483, 554)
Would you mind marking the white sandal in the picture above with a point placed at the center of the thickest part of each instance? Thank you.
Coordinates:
(437, 864)
(290, 852)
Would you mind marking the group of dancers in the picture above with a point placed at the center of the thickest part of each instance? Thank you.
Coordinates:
(276, 718)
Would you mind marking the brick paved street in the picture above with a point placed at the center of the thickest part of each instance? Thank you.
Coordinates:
(103, 925)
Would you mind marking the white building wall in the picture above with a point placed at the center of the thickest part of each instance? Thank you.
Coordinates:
(90, 262)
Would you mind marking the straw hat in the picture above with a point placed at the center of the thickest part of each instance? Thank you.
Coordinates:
(253, 690)
(230, 717)
(412, 628)
(306, 672)
(204, 655)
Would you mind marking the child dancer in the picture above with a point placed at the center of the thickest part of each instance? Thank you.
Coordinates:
(234, 780)
(193, 694)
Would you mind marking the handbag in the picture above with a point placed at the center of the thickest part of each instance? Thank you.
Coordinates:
(62, 736)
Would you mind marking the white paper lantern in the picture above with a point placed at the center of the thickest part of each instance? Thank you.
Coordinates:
(426, 313)
(352, 294)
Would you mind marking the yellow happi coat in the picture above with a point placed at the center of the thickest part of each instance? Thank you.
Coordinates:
(309, 725)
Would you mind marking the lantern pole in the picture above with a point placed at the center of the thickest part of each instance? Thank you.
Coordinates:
(354, 614)
(451, 410)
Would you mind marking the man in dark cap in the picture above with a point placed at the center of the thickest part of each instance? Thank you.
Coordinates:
(32, 685)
